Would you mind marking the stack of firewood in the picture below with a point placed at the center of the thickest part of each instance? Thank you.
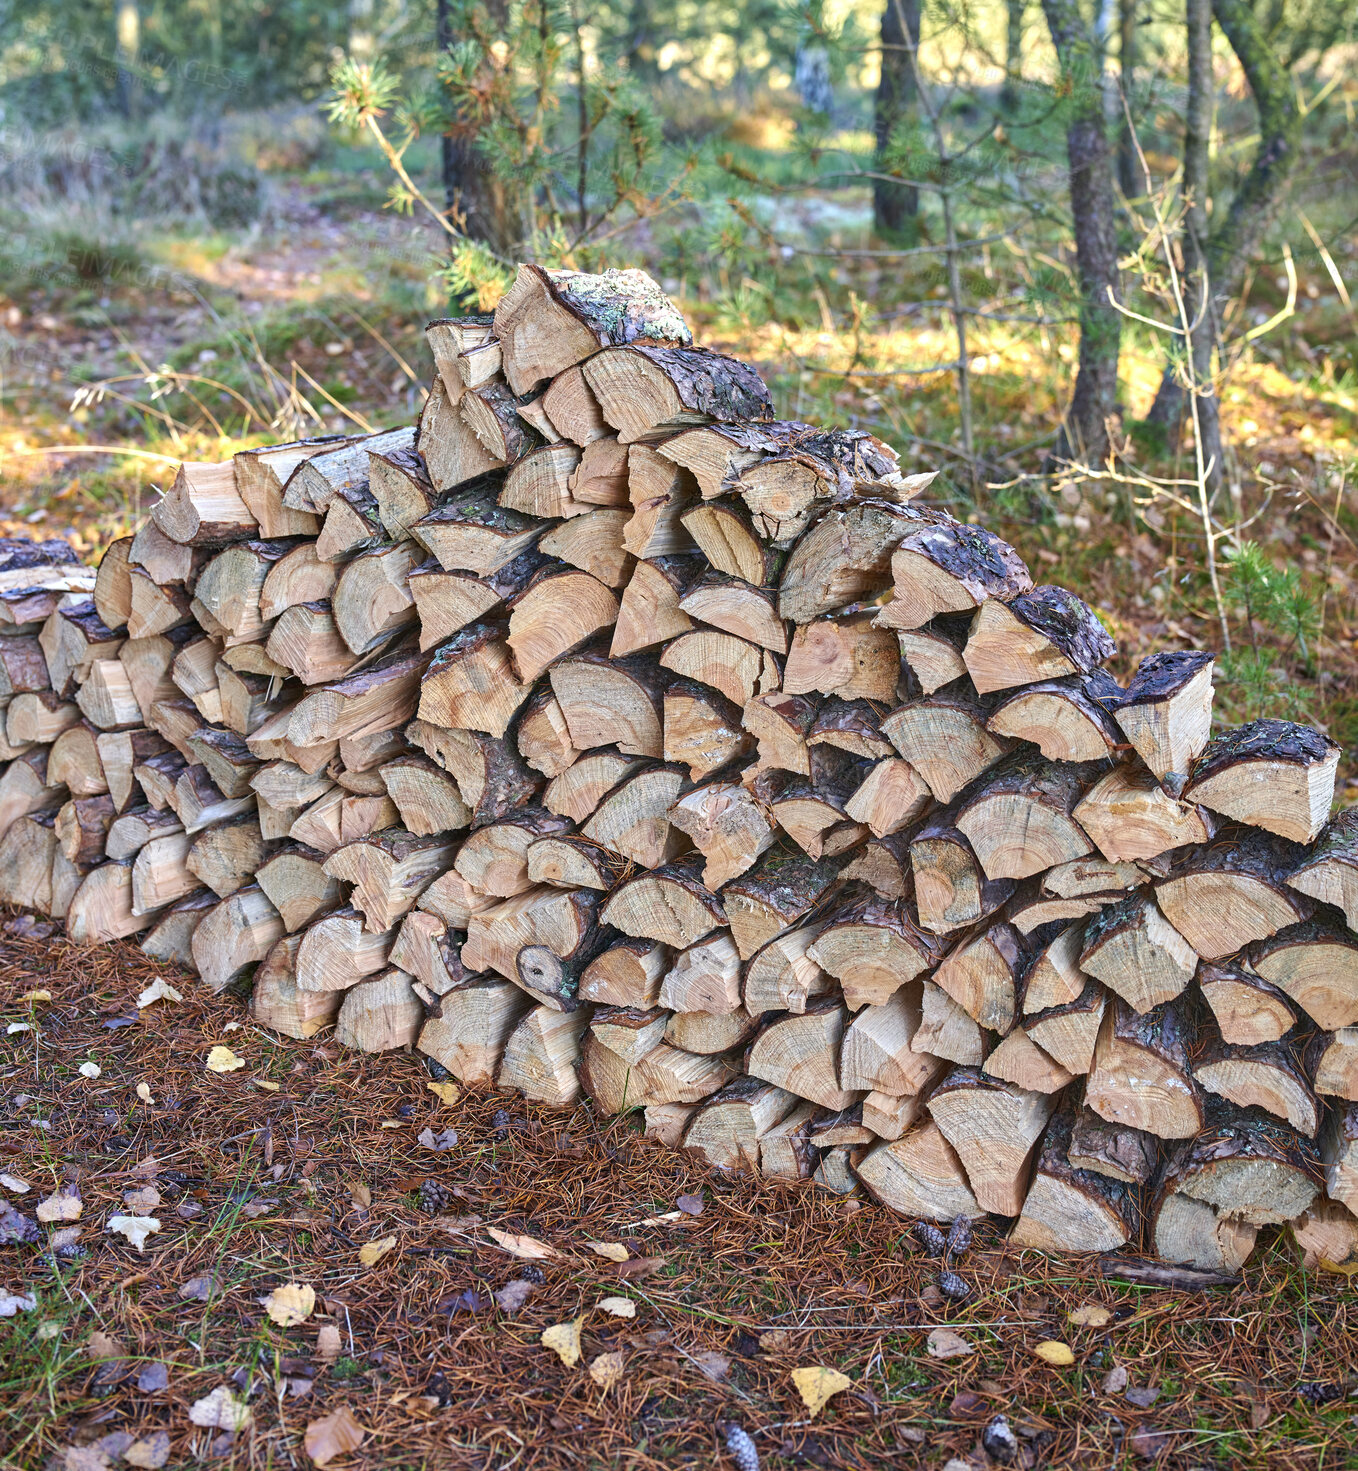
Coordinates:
(607, 736)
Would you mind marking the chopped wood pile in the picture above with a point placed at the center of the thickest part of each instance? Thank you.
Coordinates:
(605, 735)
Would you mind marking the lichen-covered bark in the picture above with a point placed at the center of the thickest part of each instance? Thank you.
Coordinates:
(1160, 676)
(1069, 622)
(1262, 740)
(786, 881)
(980, 560)
(621, 306)
(707, 383)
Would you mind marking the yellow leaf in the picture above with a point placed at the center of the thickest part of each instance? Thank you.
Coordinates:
(328, 1343)
(267, 1086)
(220, 1410)
(1092, 1315)
(36, 996)
(144, 1093)
(359, 1193)
(944, 1343)
(1053, 1351)
(372, 1252)
(620, 1307)
(564, 1341)
(223, 1060)
(818, 1385)
(335, 1435)
(62, 1205)
(446, 1093)
(528, 1247)
(1348, 1268)
(291, 1304)
(606, 1370)
(615, 1251)
(159, 990)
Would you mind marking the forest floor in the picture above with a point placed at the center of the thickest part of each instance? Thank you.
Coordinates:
(436, 1241)
(283, 1171)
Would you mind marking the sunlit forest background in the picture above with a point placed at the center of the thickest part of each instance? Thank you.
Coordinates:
(1094, 262)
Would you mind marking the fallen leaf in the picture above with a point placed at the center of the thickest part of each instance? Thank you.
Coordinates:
(818, 1385)
(153, 1378)
(335, 1435)
(328, 1343)
(1143, 1396)
(620, 1307)
(89, 1070)
(1053, 1351)
(36, 996)
(717, 1366)
(1092, 1315)
(220, 1410)
(12, 1302)
(691, 1205)
(143, 1200)
(223, 1060)
(143, 1091)
(159, 990)
(200, 1289)
(944, 1343)
(16, 1184)
(46, 1332)
(372, 1252)
(135, 1228)
(151, 1453)
(266, 1085)
(776, 1341)
(62, 1205)
(84, 1458)
(446, 1093)
(444, 1140)
(1115, 1380)
(527, 1247)
(1258, 1415)
(1149, 1443)
(512, 1296)
(606, 1370)
(564, 1341)
(361, 1196)
(291, 1304)
(614, 1251)
(668, 1219)
(640, 1266)
(15, 1028)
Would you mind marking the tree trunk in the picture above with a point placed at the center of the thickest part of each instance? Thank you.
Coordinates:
(128, 36)
(1084, 435)
(450, 163)
(1229, 246)
(1013, 54)
(1131, 176)
(895, 207)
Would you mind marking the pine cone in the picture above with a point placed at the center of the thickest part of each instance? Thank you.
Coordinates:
(741, 1448)
(951, 1285)
(960, 1235)
(999, 1440)
(930, 1238)
(433, 1197)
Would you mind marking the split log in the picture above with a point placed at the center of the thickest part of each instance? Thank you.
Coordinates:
(542, 1056)
(153, 608)
(946, 1030)
(801, 1055)
(494, 859)
(1020, 1061)
(1271, 774)
(27, 854)
(814, 814)
(337, 952)
(232, 583)
(561, 922)
(234, 936)
(157, 775)
(784, 491)
(372, 601)
(113, 585)
(785, 886)
(843, 654)
(1267, 1076)
(579, 789)
(148, 662)
(70, 641)
(101, 909)
(1130, 816)
(295, 882)
(307, 643)
(1043, 634)
(1052, 976)
(388, 870)
(1140, 1074)
(920, 1175)
(315, 483)
(106, 699)
(705, 977)
(780, 723)
(980, 974)
(1189, 1231)
(739, 608)
(1339, 1154)
(453, 901)
(380, 1015)
(1071, 1209)
(669, 904)
(570, 404)
(247, 700)
(1326, 1235)
(727, 826)
(470, 532)
(276, 1000)
(227, 856)
(633, 818)
(428, 950)
(707, 1035)
(81, 826)
(1166, 712)
(120, 752)
(1329, 872)
(934, 654)
(450, 337)
(666, 1075)
(130, 833)
(447, 443)
(641, 388)
(995, 1128)
(628, 974)
(945, 740)
(724, 533)
(1316, 965)
(950, 888)
(1248, 1009)
(611, 702)
(538, 484)
(202, 506)
(702, 729)
(193, 671)
(724, 1133)
(549, 320)
(165, 561)
(1222, 897)
(427, 797)
(471, 682)
(286, 785)
(379, 697)
(1068, 1033)
(889, 1117)
(892, 796)
(170, 938)
(875, 1052)
(950, 569)
(261, 474)
(649, 611)
(561, 610)
(593, 542)
(490, 777)
(1066, 719)
(873, 949)
(785, 1150)
(630, 1031)
(659, 493)
(718, 453)
(448, 601)
(39, 718)
(1114, 1150)
(1134, 950)
(400, 486)
(160, 874)
(226, 758)
(467, 1034)
(543, 737)
(1331, 1062)
(1019, 823)
(73, 762)
(200, 803)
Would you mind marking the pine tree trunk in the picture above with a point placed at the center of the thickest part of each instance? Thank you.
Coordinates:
(1013, 53)
(1131, 176)
(895, 207)
(1094, 402)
